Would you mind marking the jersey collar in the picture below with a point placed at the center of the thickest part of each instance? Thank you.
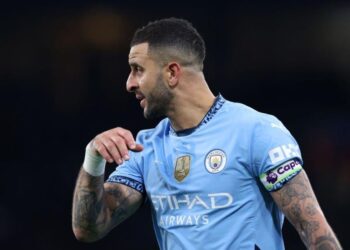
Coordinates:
(218, 102)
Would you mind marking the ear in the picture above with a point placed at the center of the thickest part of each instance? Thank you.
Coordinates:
(173, 74)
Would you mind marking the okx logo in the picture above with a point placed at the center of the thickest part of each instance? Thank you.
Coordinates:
(284, 152)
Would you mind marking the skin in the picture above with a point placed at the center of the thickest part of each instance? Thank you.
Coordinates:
(99, 207)
(181, 82)
(181, 93)
(298, 202)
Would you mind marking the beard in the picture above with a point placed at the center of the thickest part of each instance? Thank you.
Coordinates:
(158, 101)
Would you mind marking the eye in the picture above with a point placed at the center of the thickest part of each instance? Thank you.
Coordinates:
(136, 69)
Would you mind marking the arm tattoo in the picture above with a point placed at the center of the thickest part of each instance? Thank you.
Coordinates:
(326, 242)
(124, 197)
(310, 209)
(299, 204)
(307, 229)
(87, 208)
(88, 203)
(97, 208)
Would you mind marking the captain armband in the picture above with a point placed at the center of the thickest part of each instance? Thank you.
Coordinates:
(275, 179)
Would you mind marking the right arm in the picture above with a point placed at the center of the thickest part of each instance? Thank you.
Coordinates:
(97, 206)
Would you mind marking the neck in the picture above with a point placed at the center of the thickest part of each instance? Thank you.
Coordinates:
(190, 106)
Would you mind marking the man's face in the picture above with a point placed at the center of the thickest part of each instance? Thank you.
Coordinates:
(146, 80)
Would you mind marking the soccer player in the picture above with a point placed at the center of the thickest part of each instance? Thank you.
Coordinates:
(218, 174)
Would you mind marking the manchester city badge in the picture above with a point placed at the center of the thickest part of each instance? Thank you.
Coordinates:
(182, 167)
(215, 161)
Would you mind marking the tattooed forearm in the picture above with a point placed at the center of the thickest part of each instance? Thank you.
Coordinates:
(307, 229)
(88, 204)
(326, 242)
(87, 209)
(310, 209)
(99, 206)
(299, 204)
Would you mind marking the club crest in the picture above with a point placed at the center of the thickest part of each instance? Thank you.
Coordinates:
(182, 167)
(215, 161)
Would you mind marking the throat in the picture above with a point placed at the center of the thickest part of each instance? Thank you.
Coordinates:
(191, 120)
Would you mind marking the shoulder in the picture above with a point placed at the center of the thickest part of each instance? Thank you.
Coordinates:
(250, 117)
(148, 135)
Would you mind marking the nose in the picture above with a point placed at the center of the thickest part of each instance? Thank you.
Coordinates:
(131, 84)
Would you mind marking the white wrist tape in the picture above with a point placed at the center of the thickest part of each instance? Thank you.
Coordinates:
(94, 163)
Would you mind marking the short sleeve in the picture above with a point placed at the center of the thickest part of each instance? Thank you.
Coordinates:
(275, 153)
(129, 173)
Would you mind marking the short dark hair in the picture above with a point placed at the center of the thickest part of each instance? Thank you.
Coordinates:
(172, 38)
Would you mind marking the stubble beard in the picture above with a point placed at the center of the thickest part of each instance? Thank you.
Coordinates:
(158, 101)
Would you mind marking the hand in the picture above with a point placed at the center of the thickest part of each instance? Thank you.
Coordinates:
(114, 144)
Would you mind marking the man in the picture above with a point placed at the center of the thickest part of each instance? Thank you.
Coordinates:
(218, 174)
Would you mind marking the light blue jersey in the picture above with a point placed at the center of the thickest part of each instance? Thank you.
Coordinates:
(209, 186)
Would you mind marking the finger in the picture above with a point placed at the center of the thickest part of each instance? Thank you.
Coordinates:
(122, 147)
(110, 147)
(137, 148)
(114, 151)
(128, 137)
(100, 148)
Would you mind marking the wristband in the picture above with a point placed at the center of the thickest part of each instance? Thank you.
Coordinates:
(94, 164)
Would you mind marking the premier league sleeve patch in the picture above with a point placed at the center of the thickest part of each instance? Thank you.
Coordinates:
(275, 179)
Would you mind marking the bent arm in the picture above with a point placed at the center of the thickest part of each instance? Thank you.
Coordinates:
(98, 207)
(298, 202)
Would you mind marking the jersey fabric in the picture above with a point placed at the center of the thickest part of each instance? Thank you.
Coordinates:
(206, 184)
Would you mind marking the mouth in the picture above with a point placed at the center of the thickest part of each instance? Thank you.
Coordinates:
(142, 100)
(143, 103)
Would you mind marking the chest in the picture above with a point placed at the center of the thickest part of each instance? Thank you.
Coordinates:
(197, 171)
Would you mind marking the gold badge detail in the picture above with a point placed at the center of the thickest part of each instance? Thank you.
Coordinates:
(182, 167)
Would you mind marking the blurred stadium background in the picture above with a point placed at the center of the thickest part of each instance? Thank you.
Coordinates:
(63, 73)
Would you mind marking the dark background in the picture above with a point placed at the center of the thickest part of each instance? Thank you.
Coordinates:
(63, 68)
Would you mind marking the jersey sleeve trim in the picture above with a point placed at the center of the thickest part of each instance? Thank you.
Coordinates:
(276, 178)
(138, 186)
